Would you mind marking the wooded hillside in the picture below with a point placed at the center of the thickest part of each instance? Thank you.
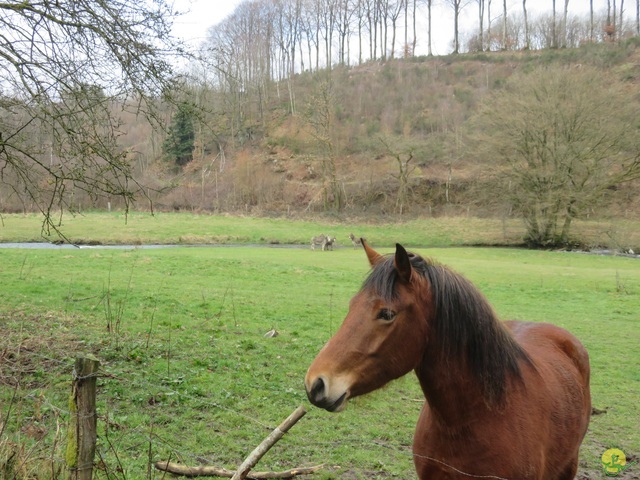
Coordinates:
(547, 135)
(424, 136)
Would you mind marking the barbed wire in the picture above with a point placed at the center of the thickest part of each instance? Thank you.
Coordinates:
(142, 435)
(155, 438)
(147, 384)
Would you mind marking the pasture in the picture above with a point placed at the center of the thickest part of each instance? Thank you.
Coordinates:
(189, 376)
(141, 228)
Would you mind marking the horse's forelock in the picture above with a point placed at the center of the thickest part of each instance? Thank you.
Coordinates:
(383, 277)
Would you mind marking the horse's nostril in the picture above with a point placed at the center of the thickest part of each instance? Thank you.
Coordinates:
(317, 390)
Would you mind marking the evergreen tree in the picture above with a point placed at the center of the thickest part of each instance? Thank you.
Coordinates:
(179, 144)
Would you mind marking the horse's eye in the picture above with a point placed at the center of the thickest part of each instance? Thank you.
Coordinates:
(386, 314)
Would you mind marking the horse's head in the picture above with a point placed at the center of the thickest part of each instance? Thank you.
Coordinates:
(382, 337)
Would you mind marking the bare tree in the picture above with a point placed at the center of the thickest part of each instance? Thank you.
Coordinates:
(405, 7)
(320, 115)
(504, 25)
(554, 33)
(329, 12)
(288, 15)
(404, 156)
(317, 23)
(614, 18)
(457, 6)
(565, 13)
(489, 26)
(591, 37)
(429, 49)
(481, 7)
(415, 34)
(527, 43)
(248, 50)
(359, 17)
(67, 69)
(384, 7)
(395, 8)
(371, 11)
(344, 19)
(563, 139)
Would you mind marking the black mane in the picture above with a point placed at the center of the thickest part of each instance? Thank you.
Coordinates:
(465, 325)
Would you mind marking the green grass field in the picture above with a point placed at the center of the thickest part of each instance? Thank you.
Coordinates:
(189, 376)
(141, 228)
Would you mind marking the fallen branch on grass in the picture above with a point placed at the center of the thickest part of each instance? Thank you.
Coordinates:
(254, 457)
(210, 471)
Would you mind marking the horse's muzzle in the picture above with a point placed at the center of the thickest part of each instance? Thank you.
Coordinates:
(319, 395)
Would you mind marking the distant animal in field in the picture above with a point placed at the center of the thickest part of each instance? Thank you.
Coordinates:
(357, 242)
(331, 241)
(504, 400)
(325, 241)
(319, 240)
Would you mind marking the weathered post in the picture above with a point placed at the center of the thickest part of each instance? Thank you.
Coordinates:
(81, 437)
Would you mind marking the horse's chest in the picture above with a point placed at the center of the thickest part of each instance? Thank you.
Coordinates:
(480, 449)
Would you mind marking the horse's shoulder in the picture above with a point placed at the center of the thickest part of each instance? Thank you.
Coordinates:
(539, 331)
(546, 337)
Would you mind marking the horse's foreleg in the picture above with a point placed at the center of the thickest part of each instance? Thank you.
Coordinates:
(570, 471)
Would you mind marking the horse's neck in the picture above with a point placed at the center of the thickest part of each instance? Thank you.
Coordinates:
(453, 396)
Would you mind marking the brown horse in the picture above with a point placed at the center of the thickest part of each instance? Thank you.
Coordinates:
(503, 400)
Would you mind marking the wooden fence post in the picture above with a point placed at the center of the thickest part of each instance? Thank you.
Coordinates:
(81, 437)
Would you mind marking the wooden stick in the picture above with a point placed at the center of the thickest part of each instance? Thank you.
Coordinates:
(211, 471)
(255, 456)
(250, 461)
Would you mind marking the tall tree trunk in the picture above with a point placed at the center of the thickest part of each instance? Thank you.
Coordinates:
(327, 47)
(374, 37)
(384, 30)
(554, 35)
(406, 29)
(526, 25)
(504, 24)
(317, 49)
(360, 34)
(614, 19)
(301, 53)
(489, 26)
(415, 39)
(591, 20)
(456, 35)
(393, 39)
(429, 50)
(480, 24)
(621, 23)
(565, 13)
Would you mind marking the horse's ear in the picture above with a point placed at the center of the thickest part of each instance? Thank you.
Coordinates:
(402, 263)
(373, 256)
